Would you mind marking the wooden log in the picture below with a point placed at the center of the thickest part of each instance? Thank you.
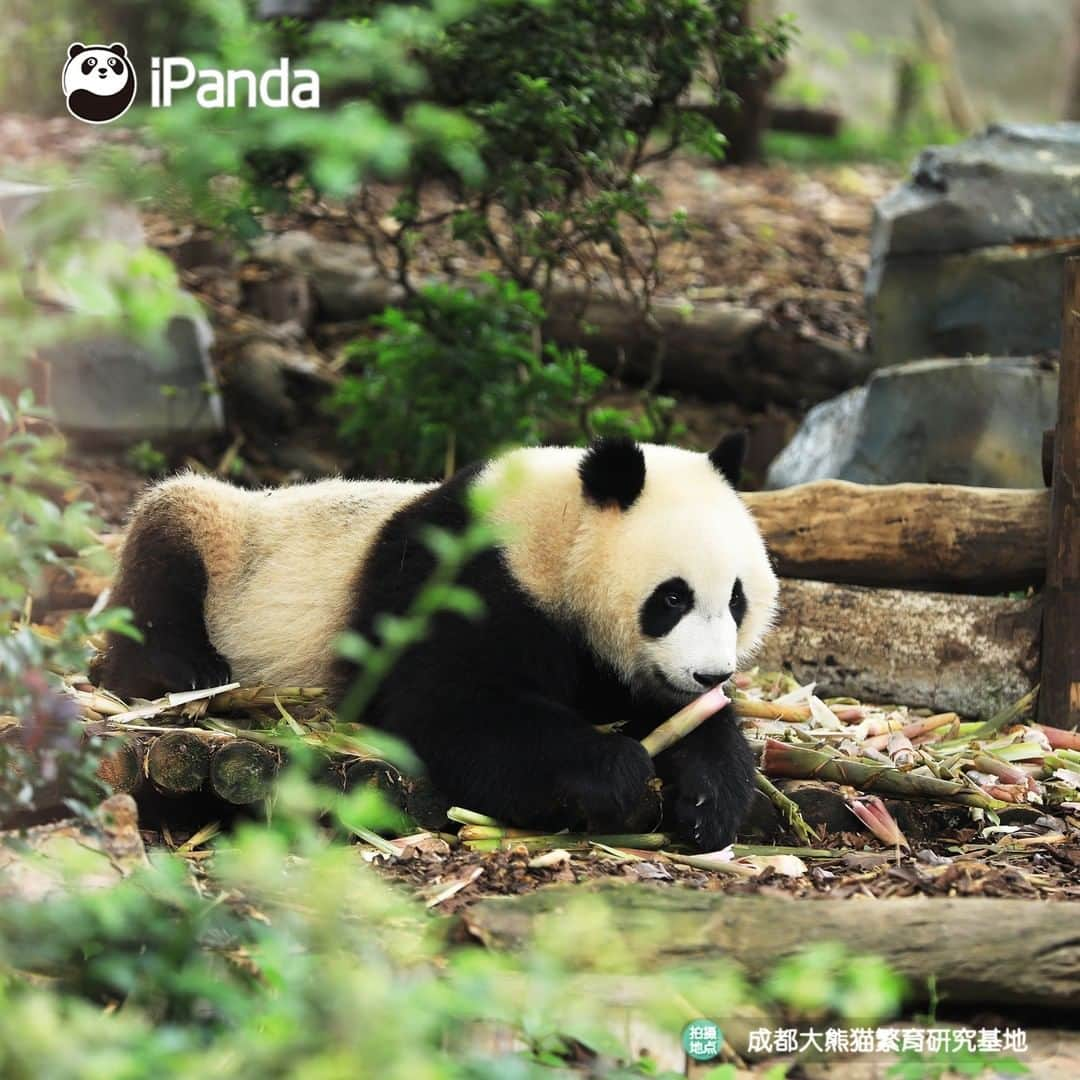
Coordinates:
(709, 347)
(178, 762)
(243, 772)
(779, 116)
(971, 655)
(1059, 696)
(122, 768)
(381, 776)
(914, 535)
(957, 942)
(805, 120)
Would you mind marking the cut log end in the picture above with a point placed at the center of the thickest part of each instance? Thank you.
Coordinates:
(178, 763)
(243, 772)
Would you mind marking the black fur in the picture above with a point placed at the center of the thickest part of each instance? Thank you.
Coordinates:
(501, 709)
(737, 604)
(728, 456)
(163, 581)
(613, 471)
(666, 605)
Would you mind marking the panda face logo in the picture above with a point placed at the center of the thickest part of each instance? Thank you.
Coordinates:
(98, 82)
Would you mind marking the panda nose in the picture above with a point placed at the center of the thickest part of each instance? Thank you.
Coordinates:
(709, 678)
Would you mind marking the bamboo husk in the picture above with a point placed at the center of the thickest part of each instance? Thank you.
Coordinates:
(803, 763)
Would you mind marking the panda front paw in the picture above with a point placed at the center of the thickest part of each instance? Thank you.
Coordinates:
(607, 788)
(706, 811)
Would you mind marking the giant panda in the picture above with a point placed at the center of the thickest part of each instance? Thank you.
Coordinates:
(628, 579)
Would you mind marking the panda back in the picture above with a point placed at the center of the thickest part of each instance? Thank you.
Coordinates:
(275, 608)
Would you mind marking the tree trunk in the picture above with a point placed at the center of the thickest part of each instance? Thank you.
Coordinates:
(958, 942)
(914, 535)
(972, 655)
(1072, 78)
(1059, 698)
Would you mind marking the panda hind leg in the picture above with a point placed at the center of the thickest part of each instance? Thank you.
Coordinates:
(163, 581)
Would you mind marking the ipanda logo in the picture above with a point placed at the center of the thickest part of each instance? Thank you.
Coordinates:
(99, 84)
(98, 81)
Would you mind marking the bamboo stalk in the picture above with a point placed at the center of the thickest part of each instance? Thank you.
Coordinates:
(469, 817)
(1060, 739)
(752, 709)
(803, 763)
(788, 809)
(571, 842)
(1009, 715)
(685, 721)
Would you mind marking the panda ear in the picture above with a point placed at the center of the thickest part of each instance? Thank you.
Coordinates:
(118, 48)
(75, 48)
(728, 455)
(613, 471)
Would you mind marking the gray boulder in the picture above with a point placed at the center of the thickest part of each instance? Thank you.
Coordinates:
(974, 421)
(113, 391)
(115, 222)
(108, 388)
(967, 256)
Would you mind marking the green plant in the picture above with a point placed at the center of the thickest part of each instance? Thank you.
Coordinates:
(41, 537)
(285, 955)
(461, 374)
(145, 457)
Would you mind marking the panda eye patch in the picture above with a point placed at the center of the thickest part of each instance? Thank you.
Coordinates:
(666, 605)
(114, 63)
(737, 604)
(88, 65)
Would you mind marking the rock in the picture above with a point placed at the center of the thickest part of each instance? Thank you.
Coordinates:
(967, 256)
(1004, 301)
(257, 388)
(972, 421)
(345, 283)
(116, 222)
(113, 391)
(1014, 183)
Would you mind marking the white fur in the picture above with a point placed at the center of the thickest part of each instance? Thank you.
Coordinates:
(282, 565)
(598, 565)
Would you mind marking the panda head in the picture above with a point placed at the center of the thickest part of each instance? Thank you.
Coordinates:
(98, 82)
(669, 575)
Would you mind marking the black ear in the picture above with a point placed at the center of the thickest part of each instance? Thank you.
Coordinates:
(728, 455)
(117, 48)
(613, 471)
(75, 48)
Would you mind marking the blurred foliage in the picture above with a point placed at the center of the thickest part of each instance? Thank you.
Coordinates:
(33, 48)
(42, 533)
(291, 958)
(460, 375)
(147, 459)
(63, 277)
(919, 119)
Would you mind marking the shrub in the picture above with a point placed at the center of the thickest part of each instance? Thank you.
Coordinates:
(460, 375)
